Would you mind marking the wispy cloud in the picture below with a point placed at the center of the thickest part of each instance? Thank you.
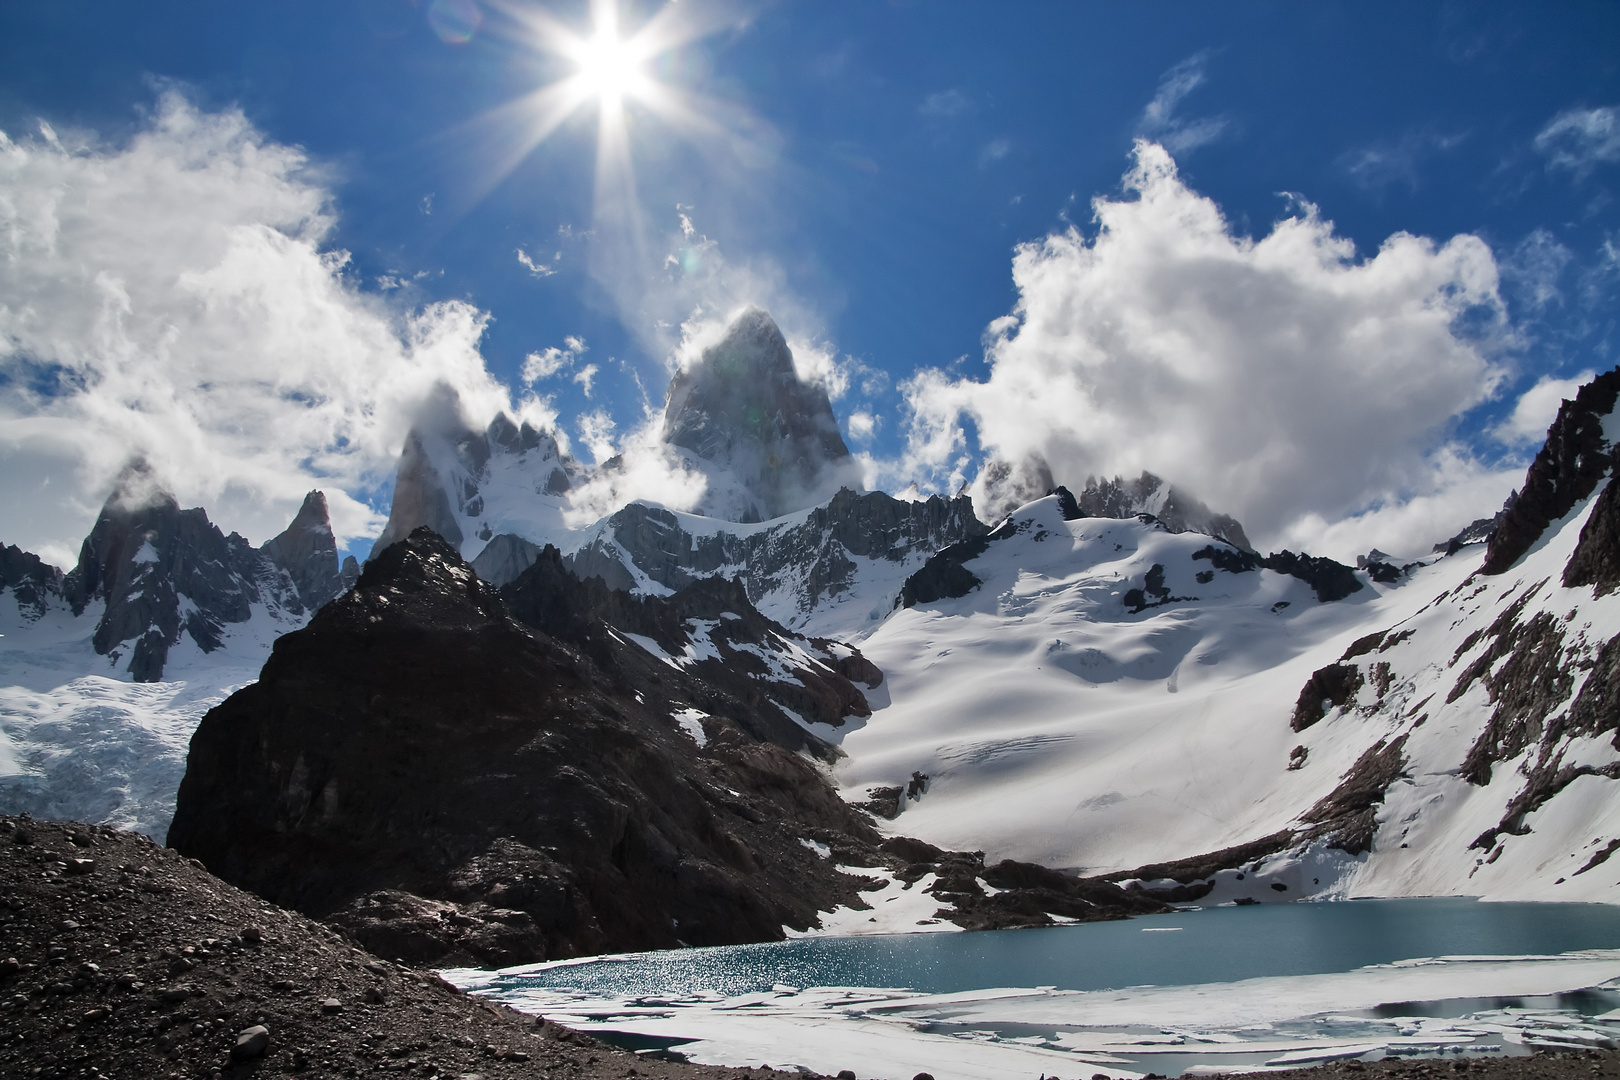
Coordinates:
(994, 151)
(1384, 164)
(550, 360)
(1160, 122)
(945, 105)
(1581, 139)
(540, 269)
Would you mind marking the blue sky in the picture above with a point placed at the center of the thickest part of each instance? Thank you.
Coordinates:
(874, 168)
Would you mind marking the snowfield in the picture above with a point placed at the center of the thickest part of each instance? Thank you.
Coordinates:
(1058, 727)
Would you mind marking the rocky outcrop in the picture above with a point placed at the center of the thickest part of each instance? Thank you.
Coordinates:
(307, 551)
(1565, 470)
(1347, 818)
(943, 576)
(1331, 687)
(33, 583)
(742, 407)
(415, 747)
(1596, 558)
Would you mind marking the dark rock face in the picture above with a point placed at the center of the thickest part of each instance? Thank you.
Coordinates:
(1565, 470)
(814, 560)
(308, 552)
(1331, 687)
(743, 407)
(1329, 580)
(141, 556)
(943, 576)
(735, 662)
(1348, 817)
(432, 774)
(145, 554)
(33, 582)
(1596, 558)
(504, 558)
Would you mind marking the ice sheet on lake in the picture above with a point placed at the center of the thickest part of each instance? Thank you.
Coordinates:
(1001, 1034)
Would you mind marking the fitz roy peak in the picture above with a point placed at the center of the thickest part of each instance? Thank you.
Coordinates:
(742, 408)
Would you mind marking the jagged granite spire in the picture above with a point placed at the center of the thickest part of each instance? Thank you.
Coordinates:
(307, 550)
(742, 406)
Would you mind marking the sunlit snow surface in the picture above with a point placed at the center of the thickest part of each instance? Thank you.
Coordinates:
(1058, 727)
(80, 741)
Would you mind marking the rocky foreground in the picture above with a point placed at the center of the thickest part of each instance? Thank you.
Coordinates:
(119, 958)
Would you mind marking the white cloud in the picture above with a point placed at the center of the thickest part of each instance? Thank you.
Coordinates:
(596, 432)
(1159, 121)
(550, 360)
(994, 151)
(586, 377)
(1527, 424)
(863, 425)
(1282, 380)
(1581, 139)
(539, 269)
(170, 296)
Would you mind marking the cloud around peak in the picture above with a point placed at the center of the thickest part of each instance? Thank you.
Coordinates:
(171, 298)
(1284, 380)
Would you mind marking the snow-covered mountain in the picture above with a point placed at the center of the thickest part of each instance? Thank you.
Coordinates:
(1111, 681)
(1109, 696)
(768, 438)
(106, 670)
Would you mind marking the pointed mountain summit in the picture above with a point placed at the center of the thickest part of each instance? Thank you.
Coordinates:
(743, 408)
(307, 550)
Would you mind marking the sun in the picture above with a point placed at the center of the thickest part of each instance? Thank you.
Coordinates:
(610, 66)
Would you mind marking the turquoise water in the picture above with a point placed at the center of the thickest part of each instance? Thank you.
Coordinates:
(1211, 945)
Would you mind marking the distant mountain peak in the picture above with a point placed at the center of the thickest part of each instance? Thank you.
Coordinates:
(742, 407)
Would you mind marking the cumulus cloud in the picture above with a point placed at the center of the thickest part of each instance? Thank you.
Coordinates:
(550, 360)
(1284, 380)
(1581, 139)
(171, 297)
(1159, 121)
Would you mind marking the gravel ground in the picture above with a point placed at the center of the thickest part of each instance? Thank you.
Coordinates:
(119, 958)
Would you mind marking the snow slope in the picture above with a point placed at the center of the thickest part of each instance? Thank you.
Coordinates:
(80, 739)
(1057, 726)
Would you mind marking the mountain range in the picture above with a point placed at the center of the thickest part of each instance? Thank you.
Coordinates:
(1088, 697)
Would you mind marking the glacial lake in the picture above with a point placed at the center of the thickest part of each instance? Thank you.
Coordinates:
(1217, 989)
(1222, 944)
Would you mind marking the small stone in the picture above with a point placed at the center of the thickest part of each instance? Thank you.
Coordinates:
(96, 1014)
(80, 867)
(9, 967)
(923, 1076)
(516, 1055)
(374, 995)
(66, 925)
(331, 1007)
(172, 994)
(251, 1043)
(846, 1074)
(252, 935)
